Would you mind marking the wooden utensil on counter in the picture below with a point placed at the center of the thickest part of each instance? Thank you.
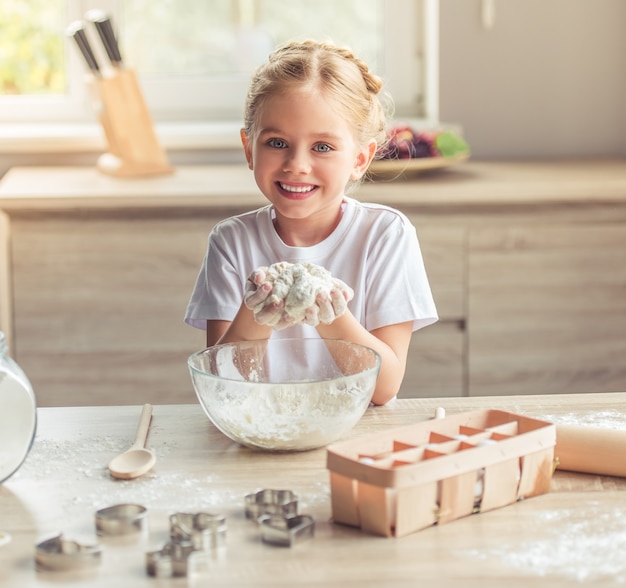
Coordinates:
(591, 450)
(136, 460)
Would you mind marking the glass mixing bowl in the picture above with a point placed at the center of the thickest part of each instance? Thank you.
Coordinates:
(285, 394)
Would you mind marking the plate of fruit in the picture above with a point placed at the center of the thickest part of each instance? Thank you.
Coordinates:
(410, 150)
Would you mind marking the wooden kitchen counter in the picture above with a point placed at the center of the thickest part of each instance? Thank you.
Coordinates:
(471, 186)
(574, 534)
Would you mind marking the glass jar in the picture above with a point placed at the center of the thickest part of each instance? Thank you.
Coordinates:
(18, 414)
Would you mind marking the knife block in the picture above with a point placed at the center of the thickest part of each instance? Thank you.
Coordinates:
(133, 147)
(402, 480)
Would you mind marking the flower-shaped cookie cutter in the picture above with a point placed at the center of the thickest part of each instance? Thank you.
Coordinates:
(59, 554)
(191, 535)
(172, 560)
(203, 530)
(286, 531)
(121, 519)
(270, 502)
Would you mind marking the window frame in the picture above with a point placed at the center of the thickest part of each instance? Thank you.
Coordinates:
(203, 108)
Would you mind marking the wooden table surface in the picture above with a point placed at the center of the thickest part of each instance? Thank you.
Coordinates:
(576, 533)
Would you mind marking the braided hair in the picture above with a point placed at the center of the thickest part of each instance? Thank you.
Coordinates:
(330, 69)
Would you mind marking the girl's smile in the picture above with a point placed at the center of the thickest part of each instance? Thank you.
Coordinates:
(296, 191)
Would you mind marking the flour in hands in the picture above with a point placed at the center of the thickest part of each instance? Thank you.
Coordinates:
(300, 293)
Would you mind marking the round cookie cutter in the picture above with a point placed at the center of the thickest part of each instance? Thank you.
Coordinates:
(121, 519)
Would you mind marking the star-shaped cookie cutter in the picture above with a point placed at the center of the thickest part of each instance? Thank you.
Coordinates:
(203, 530)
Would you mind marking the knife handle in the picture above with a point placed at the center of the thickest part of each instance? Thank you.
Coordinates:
(77, 31)
(104, 27)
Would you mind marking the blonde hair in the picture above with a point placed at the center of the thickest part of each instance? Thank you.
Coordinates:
(333, 70)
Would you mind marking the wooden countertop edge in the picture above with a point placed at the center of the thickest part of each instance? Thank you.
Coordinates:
(471, 185)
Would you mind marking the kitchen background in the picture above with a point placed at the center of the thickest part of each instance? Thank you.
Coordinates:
(524, 249)
(548, 80)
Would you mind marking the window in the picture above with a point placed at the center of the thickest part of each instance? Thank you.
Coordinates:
(36, 81)
(194, 58)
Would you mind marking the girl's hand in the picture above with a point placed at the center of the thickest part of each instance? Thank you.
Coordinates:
(273, 314)
(259, 298)
(329, 306)
(257, 289)
(340, 295)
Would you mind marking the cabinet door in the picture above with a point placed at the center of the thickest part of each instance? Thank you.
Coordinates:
(435, 365)
(547, 309)
(99, 305)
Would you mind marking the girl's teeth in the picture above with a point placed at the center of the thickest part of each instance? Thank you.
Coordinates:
(300, 189)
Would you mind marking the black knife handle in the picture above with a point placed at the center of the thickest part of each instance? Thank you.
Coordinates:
(77, 31)
(103, 25)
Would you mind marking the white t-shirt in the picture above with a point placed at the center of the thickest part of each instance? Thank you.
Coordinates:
(374, 250)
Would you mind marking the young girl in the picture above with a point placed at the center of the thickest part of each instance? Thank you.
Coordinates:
(313, 122)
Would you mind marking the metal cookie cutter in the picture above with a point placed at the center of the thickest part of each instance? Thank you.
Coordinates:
(121, 519)
(171, 560)
(60, 554)
(203, 530)
(286, 531)
(271, 502)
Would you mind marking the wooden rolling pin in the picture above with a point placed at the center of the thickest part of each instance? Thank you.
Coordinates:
(591, 450)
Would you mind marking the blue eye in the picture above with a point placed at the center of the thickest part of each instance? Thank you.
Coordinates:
(277, 143)
(323, 148)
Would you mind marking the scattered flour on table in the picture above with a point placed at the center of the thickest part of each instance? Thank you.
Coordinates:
(82, 464)
(582, 546)
(86, 460)
(607, 419)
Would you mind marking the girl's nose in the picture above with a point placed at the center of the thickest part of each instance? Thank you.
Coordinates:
(297, 161)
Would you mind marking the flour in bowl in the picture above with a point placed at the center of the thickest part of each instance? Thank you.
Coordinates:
(288, 417)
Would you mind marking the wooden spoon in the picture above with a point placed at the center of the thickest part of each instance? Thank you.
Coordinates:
(136, 460)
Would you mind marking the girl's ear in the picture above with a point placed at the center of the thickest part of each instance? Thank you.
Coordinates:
(247, 147)
(363, 159)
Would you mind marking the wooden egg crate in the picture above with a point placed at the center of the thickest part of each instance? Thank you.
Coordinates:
(406, 479)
